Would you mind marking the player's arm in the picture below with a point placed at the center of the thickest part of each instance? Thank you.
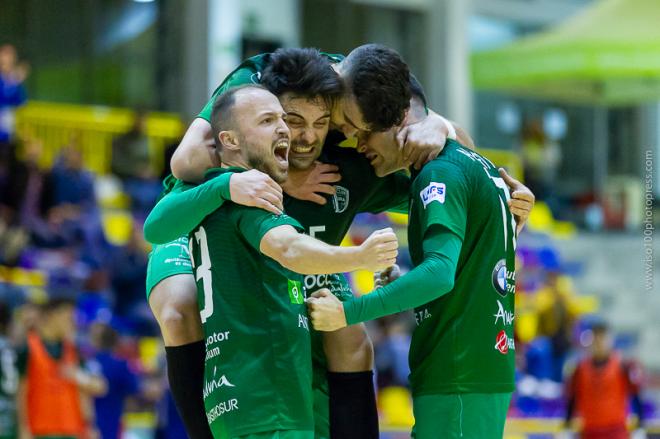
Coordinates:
(21, 409)
(433, 278)
(306, 255)
(180, 211)
(196, 153)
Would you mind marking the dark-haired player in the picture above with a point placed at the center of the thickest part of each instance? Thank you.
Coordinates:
(360, 190)
(462, 238)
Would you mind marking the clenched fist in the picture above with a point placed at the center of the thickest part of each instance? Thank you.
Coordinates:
(379, 250)
(326, 311)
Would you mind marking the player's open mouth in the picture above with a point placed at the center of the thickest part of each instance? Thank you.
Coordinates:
(282, 151)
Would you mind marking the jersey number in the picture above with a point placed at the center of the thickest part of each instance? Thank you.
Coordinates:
(203, 272)
(508, 222)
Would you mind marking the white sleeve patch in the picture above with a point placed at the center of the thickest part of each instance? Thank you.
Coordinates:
(433, 192)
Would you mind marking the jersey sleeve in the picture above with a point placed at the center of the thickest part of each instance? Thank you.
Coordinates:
(391, 193)
(241, 76)
(442, 198)
(254, 223)
(430, 280)
(181, 210)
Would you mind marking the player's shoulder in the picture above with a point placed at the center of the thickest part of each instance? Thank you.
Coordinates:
(247, 72)
(449, 165)
(334, 57)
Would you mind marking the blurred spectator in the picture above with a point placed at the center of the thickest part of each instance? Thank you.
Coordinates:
(555, 322)
(391, 351)
(541, 159)
(600, 388)
(128, 266)
(12, 92)
(131, 163)
(122, 381)
(130, 151)
(70, 209)
(54, 388)
(9, 381)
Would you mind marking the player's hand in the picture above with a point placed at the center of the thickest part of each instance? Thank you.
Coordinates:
(379, 250)
(256, 189)
(521, 202)
(421, 142)
(326, 311)
(311, 184)
(387, 276)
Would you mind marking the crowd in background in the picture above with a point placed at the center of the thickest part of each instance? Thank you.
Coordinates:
(51, 223)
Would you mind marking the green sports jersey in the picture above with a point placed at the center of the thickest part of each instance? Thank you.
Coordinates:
(258, 373)
(248, 72)
(8, 385)
(463, 341)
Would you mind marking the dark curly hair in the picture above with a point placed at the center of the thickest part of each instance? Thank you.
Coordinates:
(304, 72)
(380, 81)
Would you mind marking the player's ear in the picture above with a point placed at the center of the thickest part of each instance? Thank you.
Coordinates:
(229, 140)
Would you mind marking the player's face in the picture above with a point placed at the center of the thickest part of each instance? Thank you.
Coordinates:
(262, 132)
(382, 151)
(308, 121)
(347, 117)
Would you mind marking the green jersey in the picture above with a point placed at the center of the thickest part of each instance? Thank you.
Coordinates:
(8, 386)
(248, 72)
(461, 237)
(463, 341)
(258, 374)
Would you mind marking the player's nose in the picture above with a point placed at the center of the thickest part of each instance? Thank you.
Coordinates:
(349, 131)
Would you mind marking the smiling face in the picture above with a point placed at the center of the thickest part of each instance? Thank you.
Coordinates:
(308, 121)
(382, 150)
(263, 136)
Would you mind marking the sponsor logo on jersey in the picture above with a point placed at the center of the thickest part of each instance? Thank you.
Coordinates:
(422, 315)
(506, 316)
(213, 339)
(340, 199)
(221, 408)
(256, 77)
(296, 293)
(214, 384)
(503, 343)
(303, 321)
(503, 280)
(433, 192)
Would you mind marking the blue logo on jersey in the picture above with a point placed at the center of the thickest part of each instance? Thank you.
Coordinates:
(500, 278)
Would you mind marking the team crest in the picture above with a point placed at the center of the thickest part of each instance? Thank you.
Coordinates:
(340, 199)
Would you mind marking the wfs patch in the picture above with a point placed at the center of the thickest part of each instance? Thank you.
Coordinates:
(500, 278)
(340, 199)
(433, 192)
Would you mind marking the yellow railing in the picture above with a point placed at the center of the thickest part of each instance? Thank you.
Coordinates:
(54, 124)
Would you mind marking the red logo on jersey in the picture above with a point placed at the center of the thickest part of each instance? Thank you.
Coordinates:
(502, 342)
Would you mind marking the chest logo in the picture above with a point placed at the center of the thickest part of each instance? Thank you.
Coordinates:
(433, 192)
(340, 199)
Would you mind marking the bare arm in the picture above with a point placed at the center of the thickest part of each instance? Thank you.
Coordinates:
(306, 255)
(21, 410)
(196, 153)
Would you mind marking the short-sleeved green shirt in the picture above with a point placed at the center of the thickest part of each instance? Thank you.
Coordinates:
(258, 374)
(464, 339)
(248, 72)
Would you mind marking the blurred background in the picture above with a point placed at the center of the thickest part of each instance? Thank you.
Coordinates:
(95, 95)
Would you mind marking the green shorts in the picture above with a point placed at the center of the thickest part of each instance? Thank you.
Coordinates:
(167, 260)
(279, 434)
(460, 415)
(339, 286)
